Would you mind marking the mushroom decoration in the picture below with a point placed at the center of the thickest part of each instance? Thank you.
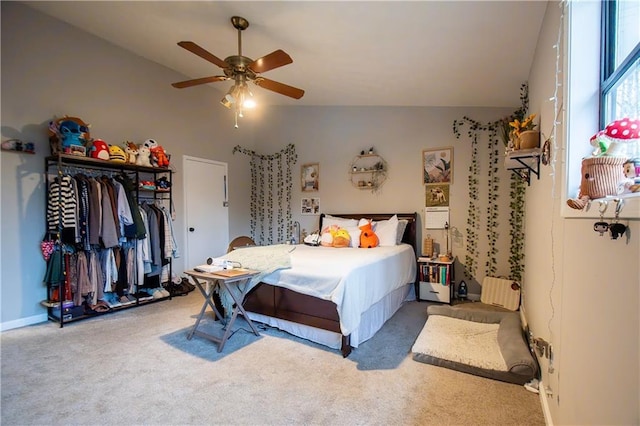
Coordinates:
(621, 133)
(598, 143)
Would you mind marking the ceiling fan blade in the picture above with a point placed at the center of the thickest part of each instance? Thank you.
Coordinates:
(283, 89)
(204, 54)
(195, 82)
(273, 60)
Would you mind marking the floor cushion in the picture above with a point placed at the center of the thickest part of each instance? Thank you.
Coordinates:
(485, 343)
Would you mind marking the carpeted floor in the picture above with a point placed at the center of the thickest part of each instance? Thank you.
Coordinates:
(137, 367)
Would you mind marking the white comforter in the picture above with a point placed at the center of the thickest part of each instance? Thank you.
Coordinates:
(352, 278)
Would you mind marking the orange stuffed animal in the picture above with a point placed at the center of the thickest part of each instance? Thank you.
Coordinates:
(368, 238)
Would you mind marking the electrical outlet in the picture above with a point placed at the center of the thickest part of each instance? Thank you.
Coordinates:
(542, 347)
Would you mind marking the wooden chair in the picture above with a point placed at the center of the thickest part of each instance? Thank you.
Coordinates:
(242, 241)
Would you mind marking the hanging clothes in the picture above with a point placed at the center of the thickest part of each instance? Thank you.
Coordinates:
(154, 233)
(109, 226)
(143, 248)
(137, 230)
(95, 212)
(174, 245)
(61, 208)
(82, 184)
(109, 269)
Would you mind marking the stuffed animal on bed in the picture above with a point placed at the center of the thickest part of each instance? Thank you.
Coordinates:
(326, 237)
(335, 236)
(341, 238)
(368, 238)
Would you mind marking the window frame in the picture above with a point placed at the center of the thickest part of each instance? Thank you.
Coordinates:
(610, 73)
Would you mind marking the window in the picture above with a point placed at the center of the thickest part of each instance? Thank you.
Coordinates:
(601, 78)
(620, 59)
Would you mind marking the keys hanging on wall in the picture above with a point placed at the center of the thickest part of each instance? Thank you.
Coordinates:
(601, 226)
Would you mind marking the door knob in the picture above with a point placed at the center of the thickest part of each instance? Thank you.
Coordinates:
(192, 229)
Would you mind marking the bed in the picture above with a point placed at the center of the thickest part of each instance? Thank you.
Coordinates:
(363, 288)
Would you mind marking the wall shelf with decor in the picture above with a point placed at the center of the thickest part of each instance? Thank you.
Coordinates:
(523, 162)
(368, 171)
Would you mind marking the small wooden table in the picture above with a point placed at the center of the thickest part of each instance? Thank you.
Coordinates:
(224, 279)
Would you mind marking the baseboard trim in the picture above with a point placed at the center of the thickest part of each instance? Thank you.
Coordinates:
(523, 317)
(544, 402)
(23, 322)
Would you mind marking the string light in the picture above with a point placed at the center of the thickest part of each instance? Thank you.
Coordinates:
(552, 161)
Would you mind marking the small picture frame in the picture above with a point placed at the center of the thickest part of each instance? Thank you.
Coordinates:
(310, 177)
(437, 195)
(437, 166)
(310, 206)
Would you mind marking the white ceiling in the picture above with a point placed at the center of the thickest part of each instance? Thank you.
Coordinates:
(383, 53)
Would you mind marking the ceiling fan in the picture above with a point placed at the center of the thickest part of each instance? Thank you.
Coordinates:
(241, 69)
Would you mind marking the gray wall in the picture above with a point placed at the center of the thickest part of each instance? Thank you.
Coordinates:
(50, 69)
(582, 291)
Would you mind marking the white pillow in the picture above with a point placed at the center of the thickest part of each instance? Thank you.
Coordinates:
(402, 225)
(387, 231)
(354, 233)
(328, 220)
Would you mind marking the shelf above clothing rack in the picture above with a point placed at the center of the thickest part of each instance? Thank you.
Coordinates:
(103, 164)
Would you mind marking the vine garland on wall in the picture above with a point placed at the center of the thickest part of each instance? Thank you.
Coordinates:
(268, 171)
(496, 130)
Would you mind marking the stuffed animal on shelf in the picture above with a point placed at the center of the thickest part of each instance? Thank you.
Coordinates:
(99, 149)
(631, 182)
(116, 154)
(131, 149)
(67, 132)
(150, 143)
(368, 238)
(600, 177)
(144, 156)
(159, 157)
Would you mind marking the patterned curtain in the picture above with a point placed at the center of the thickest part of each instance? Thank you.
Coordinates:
(271, 186)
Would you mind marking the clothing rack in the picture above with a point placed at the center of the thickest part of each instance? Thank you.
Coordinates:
(70, 165)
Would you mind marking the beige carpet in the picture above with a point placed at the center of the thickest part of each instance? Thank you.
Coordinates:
(137, 367)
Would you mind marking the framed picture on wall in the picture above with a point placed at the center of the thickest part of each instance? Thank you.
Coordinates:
(437, 195)
(310, 206)
(437, 166)
(310, 177)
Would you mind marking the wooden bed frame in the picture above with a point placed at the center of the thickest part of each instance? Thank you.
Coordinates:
(282, 303)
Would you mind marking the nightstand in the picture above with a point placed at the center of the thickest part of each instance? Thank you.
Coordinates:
(435, 280)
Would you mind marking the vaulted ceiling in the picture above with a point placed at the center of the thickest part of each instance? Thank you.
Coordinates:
(382, 53)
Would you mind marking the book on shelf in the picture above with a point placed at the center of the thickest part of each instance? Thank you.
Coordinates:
(436, 274)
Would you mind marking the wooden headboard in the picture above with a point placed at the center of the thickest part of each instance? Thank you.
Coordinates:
(409, 236)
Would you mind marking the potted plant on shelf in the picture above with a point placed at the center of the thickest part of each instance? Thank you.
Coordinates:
(523, 133)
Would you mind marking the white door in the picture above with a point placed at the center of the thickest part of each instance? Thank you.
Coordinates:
(207, 214)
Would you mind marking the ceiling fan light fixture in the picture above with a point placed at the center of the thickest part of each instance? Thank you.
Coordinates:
(225, 102)
(241, 69)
